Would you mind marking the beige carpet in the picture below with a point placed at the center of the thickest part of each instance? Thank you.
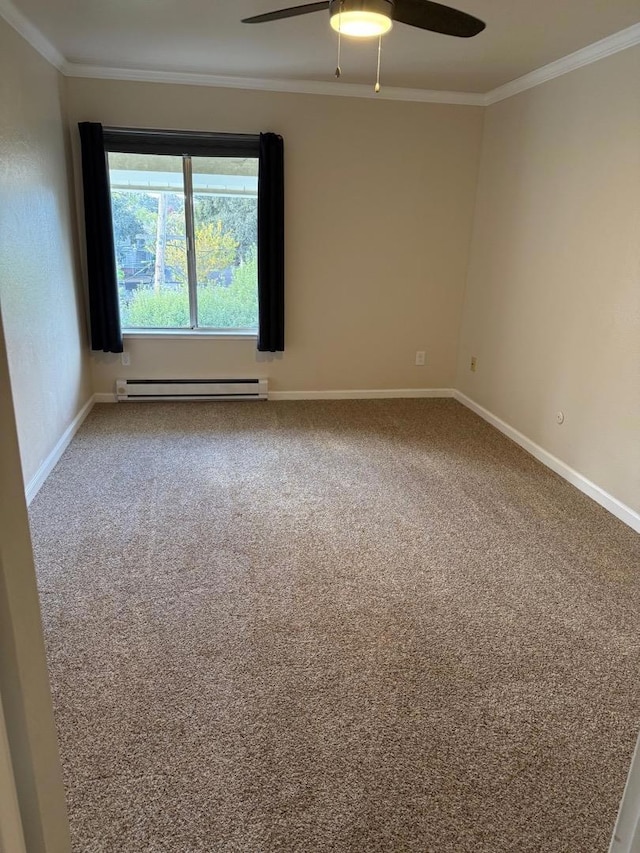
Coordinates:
(333, 626)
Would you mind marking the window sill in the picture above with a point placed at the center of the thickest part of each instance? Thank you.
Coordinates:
(187, 334)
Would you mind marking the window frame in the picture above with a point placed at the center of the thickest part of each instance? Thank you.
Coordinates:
(185, 145)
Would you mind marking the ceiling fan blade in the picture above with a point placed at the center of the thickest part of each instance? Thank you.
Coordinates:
(292, 12)
(437, 18)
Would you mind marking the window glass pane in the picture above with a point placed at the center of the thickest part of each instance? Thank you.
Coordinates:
(225, 210)
(147, 203)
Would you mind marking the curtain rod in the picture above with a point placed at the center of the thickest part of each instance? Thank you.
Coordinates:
(169, 133)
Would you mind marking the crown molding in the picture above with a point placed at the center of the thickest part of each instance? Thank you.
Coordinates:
(621, 40)
(585, 56)
(31, 34)
(298, 87)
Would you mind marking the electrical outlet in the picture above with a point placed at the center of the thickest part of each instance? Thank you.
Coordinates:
(126, 359)
(474, 364)
(420, 358)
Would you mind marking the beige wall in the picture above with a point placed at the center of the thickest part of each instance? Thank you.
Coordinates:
(44, 328)
(552, 308)
(379, 202)
(24, 685)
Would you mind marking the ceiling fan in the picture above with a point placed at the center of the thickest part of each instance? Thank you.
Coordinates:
(367, 18)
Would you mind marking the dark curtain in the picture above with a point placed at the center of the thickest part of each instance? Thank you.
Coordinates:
(271, 243)
(104, 310)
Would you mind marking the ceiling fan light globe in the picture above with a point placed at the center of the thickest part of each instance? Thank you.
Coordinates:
(360, 23)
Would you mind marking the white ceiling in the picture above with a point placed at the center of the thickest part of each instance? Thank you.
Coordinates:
(206, 37)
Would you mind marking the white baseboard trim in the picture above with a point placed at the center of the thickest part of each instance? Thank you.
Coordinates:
(342, 394)
(36, 482)
(613, 505)
(364, 394)
(600, 496)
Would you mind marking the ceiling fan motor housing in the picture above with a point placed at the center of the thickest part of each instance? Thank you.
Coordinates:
(367, 18)
(381, 7)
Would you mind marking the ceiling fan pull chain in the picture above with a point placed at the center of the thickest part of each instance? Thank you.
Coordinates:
(338, 69)
(377, 86)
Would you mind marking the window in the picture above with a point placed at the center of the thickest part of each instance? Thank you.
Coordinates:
(184, 211)
(203, 280)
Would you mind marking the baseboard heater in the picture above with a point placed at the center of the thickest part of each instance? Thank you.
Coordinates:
(191, 389)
